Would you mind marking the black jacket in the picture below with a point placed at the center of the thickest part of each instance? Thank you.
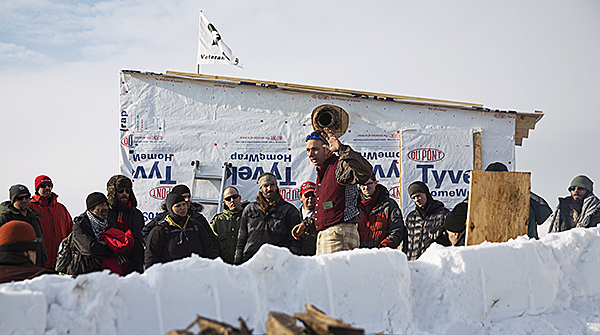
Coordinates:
(168, 243)
(274, 227)
(8, 212)
(87, 251)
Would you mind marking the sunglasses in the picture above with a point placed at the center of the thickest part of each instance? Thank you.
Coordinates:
(574, 188)
(21, 198)
(46, 185)
(314, 136)
(232, 197)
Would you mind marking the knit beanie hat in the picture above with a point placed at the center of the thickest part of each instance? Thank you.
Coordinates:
(456, 220)
(497, 166)
(418, 187)
(94, 199)
(172, 199)
(42, 180)
(181, 189)
(583, 182)
(16, 190)
(18, 236)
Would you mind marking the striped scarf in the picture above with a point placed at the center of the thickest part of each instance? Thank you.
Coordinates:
(98, 226)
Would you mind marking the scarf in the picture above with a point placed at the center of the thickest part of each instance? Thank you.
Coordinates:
(98, 227)
(123, 218)
(369, 204)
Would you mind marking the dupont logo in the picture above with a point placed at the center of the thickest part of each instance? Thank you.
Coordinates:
(289, 193)
(160, 192)
(395, 192)
(426, 155)
(127, 141)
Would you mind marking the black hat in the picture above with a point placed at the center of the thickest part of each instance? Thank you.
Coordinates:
(456, 220)
(181, 189)
(94, 199)
(173, 198)
(418, 187)
(497, 166)
(16, 190)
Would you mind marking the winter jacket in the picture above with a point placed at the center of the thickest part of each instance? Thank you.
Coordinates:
(135, 223)
(16, 266)
(384, 222)
(565, 217)
(168, 243)
(274, 227)
(336, 187)
(539, 211)
(226, 227)
(195, 213)
(56, 224)
(309, 237)
(8, 212)
(418, 228)
(87, 251)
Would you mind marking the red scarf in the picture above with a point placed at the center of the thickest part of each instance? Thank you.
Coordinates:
(370, 203)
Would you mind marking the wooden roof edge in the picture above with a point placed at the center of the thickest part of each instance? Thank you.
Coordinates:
(358, 94)
(523, 117)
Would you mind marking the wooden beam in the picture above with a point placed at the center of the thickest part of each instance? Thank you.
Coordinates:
(325, 89)
(282, 324)
(498, 206)
(321, 324)
(477, 151)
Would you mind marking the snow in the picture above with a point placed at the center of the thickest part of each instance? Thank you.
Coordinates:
(549, 286)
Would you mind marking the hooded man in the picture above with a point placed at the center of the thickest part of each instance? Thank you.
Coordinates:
(226, 225)
(381, 223)
(17, 208)
(122, 209)
(18, 252)
(55, 220)
(194, 211)
(580, 210)
(269, 219)
(428, 215)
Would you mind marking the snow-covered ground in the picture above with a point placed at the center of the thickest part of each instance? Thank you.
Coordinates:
(550, 286)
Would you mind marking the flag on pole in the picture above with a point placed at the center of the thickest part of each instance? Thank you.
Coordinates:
(211, 48)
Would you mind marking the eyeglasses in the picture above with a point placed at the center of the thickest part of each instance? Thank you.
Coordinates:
(123, 190)
(232, 197)
(46, 185)
(21, 198)
(576, 188)
(315, 136)
(309, 194)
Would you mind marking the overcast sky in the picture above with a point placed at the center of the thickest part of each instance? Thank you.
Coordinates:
(60, 62)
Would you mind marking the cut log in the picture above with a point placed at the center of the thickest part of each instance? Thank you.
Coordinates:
(282, 324)
(322, 324)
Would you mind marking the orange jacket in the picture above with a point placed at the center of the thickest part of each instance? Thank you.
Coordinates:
(56, 224)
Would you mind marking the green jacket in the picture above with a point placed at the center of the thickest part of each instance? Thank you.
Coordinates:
(8, 212)
(226, 226)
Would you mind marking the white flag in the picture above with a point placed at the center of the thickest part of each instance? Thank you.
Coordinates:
(211, 48)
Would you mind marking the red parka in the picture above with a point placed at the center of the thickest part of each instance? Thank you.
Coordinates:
(56, 224)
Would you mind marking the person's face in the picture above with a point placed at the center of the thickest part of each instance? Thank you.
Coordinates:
(232, 199)
(268, 190)
(316, 151)
(100, 210)
(22, 202)
(180, 208)
(420, 199)
(368, 188)
(123, 195)
(453, 237)
(578, 193)
(45, 189)
(188, 199)
(32, 254)
(308, 200)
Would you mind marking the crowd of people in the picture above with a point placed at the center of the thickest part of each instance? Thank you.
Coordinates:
(345, 208)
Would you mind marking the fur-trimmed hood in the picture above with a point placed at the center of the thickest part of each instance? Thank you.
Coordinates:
(116, 182)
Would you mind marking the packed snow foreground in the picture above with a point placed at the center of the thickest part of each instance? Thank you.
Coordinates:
(550, 286)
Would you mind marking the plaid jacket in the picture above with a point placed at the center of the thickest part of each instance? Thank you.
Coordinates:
(418, 228)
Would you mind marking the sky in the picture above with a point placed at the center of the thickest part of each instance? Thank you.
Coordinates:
(60, 62)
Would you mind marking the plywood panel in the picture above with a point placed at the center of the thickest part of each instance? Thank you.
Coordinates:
(498, 206)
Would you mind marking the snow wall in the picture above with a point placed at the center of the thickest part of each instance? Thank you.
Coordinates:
(548, 286)
(171, 126)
